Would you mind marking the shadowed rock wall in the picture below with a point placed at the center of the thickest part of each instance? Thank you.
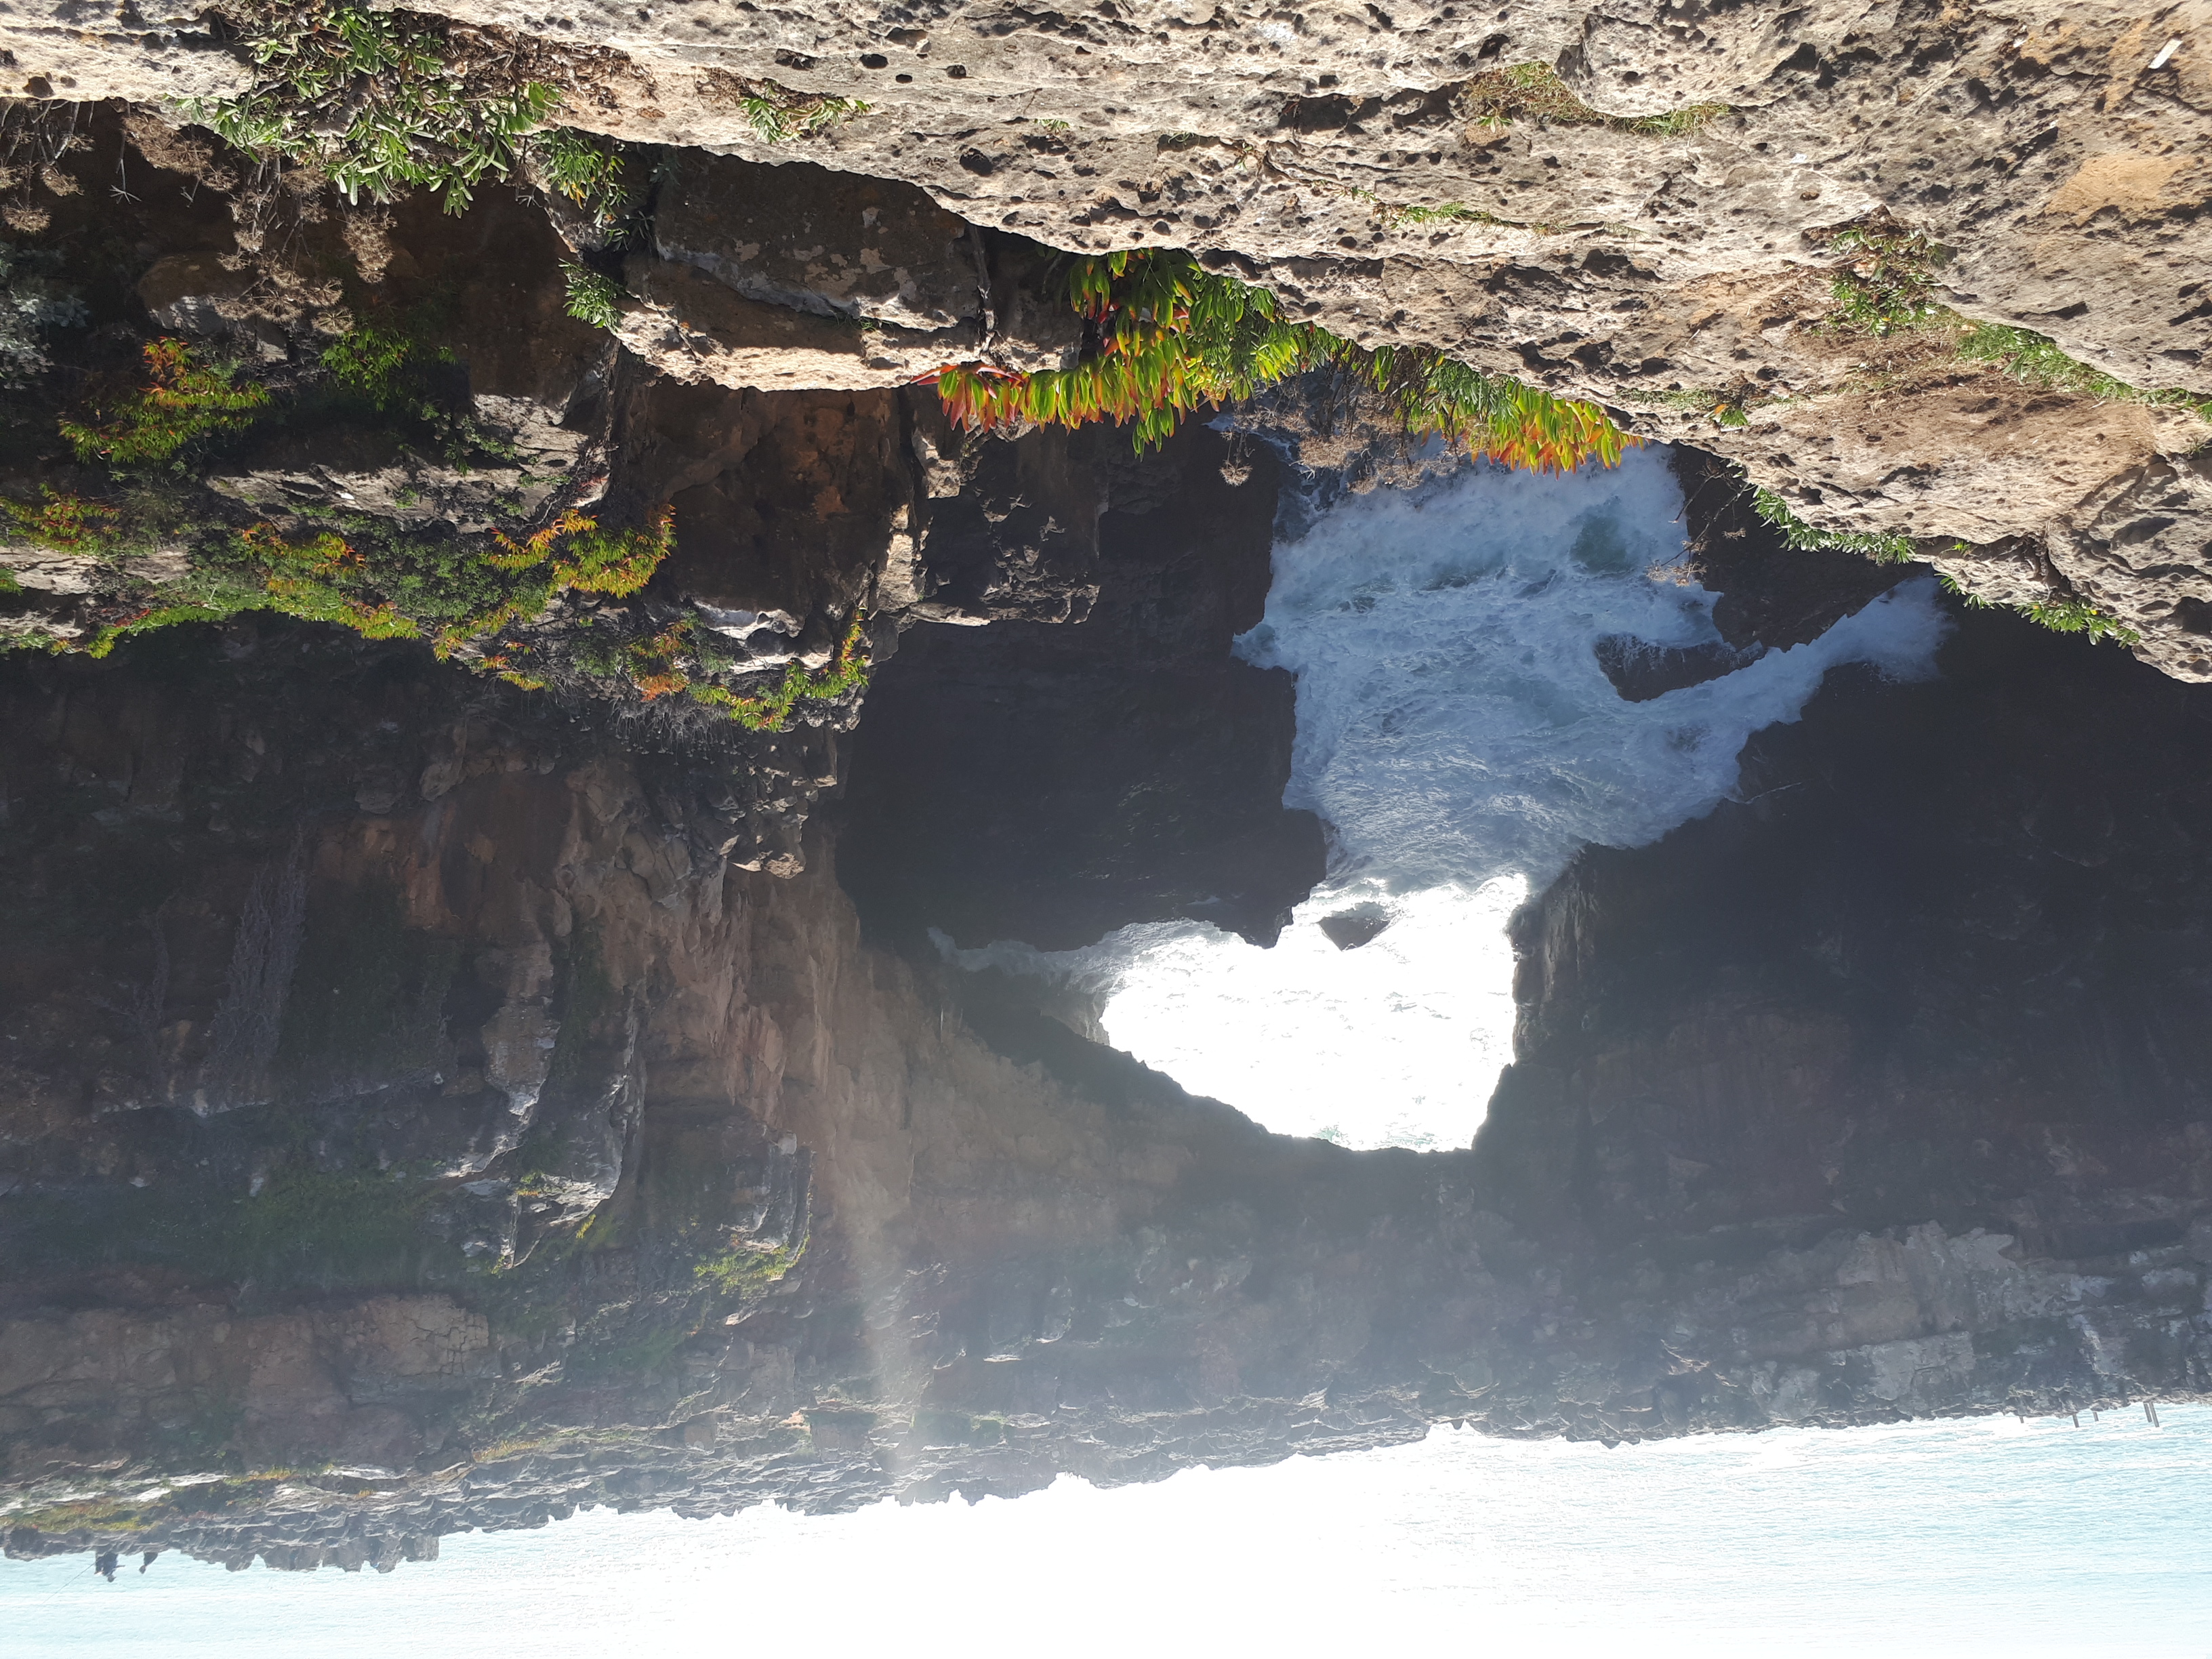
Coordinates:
(1877, 1095)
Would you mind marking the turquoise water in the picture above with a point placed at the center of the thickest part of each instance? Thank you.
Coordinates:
(1982, 1538)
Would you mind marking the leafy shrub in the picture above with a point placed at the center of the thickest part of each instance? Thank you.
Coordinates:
(1171, 337)
(585, 169)
(1797, 533)
(68, 524)
(771, 712)
(370, 100)
(373, 361)
(395, 372)
(184, 400)
(593, 298)
(31, 303)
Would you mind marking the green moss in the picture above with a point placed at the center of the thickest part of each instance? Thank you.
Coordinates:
(308, 1228)
(743, 1271)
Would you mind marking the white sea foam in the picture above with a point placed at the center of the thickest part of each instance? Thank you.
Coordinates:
(1458, 737)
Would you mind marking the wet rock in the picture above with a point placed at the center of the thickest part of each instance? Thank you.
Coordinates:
(1641, 671)
(1363, 924)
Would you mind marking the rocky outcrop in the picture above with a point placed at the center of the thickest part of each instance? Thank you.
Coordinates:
(1655, 220)
(1039, 781)
(1875, 1096)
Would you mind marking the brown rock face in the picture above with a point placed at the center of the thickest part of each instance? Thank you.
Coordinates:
(1878, 1096)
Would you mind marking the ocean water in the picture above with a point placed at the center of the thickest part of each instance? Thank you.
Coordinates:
(1925, 1540)
(1457, 735)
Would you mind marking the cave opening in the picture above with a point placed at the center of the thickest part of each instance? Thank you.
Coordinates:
(1493, 670)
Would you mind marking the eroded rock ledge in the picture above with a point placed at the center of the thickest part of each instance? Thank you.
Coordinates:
(1678, 270)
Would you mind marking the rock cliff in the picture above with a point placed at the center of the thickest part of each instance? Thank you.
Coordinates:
(1647, 204)
(457, 1072)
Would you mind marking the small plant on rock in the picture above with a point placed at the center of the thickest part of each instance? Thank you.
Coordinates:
(593, 298)
(779, 115)
(67, 524)
(1890, 283)
(1534, 92)
(1797, 533)
(772, 711)
(370, 97)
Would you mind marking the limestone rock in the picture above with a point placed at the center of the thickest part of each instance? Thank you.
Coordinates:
(693, 327)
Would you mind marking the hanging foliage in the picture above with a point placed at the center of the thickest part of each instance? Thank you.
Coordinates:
(1168, 337)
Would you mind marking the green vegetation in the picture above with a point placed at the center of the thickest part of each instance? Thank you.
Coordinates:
(67, 524)
(1797, 533)
(387, 102)
(388, 364)
(302, 1228)
(745, 1267)
(1534, 92)
(1447, 213)
(384, 583)
(593, 298)
(375, 102)
(31, 302)
(2037, 360)
(588, 171)
(375, 362)
(771, 711)
(779, 115)
(1889, 285)
(1171, 337)
(183, 401)
(2059, 616)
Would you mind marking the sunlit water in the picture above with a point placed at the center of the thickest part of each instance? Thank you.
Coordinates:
(1457, 735)
(1921, 1541)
